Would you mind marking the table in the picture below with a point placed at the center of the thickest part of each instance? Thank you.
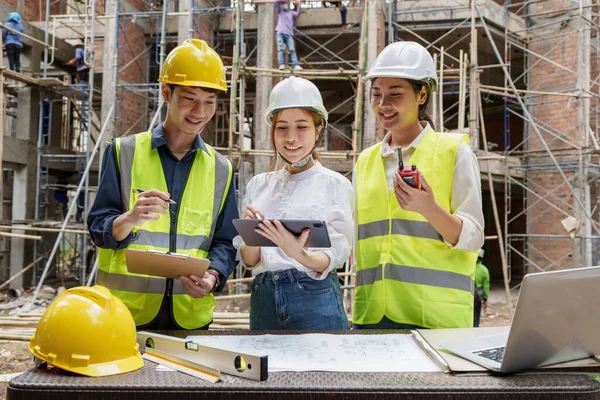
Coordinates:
(148, 384)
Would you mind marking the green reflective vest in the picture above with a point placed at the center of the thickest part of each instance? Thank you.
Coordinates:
(404, 270)
(201, 202)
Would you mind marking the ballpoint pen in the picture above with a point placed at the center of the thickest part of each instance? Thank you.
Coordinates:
(172, 202)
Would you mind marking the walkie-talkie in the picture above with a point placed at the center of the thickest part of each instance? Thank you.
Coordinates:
(410, 174)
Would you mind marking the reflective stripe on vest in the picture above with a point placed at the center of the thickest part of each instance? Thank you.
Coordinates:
(419, 229)
(198, 210)
(405, 270)
(421, 276)
(133, 283)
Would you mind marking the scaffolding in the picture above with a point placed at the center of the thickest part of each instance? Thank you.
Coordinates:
(68, 152)
(559, 153)
(510, 73)
(551, 172)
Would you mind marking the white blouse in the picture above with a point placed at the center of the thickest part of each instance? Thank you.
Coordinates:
(317, 193)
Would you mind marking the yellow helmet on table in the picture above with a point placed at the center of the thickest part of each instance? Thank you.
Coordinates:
(88, 331)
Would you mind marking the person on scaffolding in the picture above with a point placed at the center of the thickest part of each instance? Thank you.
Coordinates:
(343, 10)
(166, 190)
(482, 287)
(285, 32)
(83, 69)
(12, 41)
(297, 288)
(416, 251)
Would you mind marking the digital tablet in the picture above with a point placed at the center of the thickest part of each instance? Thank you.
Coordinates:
(318, 236)
(167, 265)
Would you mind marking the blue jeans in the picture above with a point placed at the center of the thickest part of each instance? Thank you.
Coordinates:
(343, 11)
(386, 323)
(291, 300)
(283, 41)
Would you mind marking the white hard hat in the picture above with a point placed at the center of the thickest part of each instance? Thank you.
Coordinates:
(295, 92)
(480, 253)
(408, 60)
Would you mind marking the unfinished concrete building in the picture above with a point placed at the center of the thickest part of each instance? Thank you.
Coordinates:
(521, 78)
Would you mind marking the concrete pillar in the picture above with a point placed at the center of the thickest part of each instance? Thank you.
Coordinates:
(204, 24)
(21, 7)
(184, 21)
(583, 131)
(25, 181)
(108, 77)
(17, 245)
(263, 84)
(370, 123)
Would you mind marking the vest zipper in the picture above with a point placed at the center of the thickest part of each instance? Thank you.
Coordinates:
(174, 217)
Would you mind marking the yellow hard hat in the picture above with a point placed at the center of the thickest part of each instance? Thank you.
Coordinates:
(194, 63)
(87, 331)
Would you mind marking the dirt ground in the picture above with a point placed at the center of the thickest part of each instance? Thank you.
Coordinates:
(498, 313)
(14, 356)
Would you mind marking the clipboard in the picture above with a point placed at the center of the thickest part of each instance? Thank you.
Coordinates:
(317, 238)
(166, 265)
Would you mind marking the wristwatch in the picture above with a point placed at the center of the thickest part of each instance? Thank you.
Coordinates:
(216, 274)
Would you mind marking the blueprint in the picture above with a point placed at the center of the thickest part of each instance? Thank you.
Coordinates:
(325, 352)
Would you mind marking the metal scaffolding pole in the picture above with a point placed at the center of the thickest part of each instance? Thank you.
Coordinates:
(30, 305)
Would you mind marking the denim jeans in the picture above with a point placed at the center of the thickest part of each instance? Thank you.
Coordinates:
(283, 41)
(343, 11)
(290, 299)
(386, 323)
(13, 52)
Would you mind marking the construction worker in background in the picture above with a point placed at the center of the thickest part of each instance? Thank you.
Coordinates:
(285, 32)
(297, 288)
(12, 41)
(83, 69)
(187, 202)
(416, 251)
(343, 11)
(482, 287)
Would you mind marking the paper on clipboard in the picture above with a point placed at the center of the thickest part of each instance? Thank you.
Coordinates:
(167, 265)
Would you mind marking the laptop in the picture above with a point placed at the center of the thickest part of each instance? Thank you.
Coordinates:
(557, 319)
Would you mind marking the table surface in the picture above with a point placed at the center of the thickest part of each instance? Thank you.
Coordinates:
(148, 384)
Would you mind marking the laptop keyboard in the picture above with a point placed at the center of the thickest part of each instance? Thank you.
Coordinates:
(494, 354)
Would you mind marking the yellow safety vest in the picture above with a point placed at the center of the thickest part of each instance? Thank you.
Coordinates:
(201, 202)
(404, 270)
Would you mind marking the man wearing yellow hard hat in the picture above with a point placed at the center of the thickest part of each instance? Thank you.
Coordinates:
(167, 190)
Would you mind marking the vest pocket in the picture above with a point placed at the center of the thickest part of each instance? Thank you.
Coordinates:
(194, 222)
(204, 303)
(134, 301)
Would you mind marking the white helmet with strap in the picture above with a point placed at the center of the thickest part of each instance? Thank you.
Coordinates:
(295, 92)
(408, 60)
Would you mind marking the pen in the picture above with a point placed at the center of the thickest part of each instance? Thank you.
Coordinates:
(172, 202)
(257, 216)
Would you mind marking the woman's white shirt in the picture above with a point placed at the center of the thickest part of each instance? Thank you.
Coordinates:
(318, 194)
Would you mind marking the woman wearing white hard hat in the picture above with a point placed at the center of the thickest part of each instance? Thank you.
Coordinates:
(296, 287)
(419, 229)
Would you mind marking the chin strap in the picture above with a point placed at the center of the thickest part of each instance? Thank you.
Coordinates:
(308, 158)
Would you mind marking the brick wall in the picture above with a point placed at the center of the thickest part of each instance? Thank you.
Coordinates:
(37, 10)
(558, 115)
(132, 104)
